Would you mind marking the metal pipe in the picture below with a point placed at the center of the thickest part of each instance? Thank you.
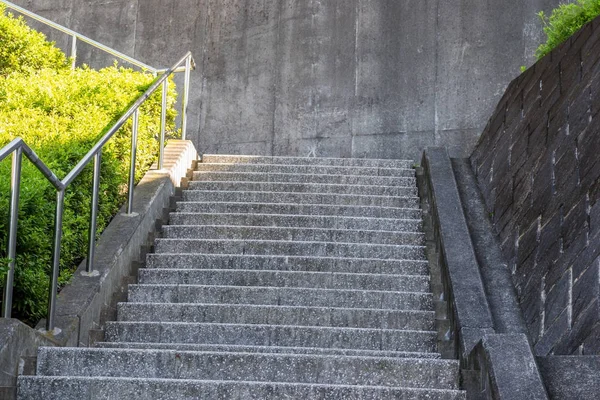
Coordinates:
(88, 157)
(73, 52)
(89, 265)
(134, 133)
(15, 190)
(186, 93)
(163, 123)
(58, 217)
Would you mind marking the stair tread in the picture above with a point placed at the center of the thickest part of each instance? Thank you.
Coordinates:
(277, 315)
(271, 349)
(172, 389)
(284, 263)
(293, 166)
(340, 280)
(275, 367)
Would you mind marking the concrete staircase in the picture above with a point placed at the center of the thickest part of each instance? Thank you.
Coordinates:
(301, 278)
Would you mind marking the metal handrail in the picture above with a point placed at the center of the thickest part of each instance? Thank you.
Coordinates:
(18, 147)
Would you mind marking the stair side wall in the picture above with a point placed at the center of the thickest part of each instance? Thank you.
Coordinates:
(537, 167)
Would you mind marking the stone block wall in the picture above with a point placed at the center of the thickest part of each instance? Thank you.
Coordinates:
(538, 167)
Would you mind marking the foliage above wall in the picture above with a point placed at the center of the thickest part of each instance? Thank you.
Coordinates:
(61, 113)
(564, 21)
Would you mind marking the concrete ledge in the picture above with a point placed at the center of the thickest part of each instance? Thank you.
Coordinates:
(495, 366)
(468, 310)
(80, 303)
(571, 377)
(508, 369)
(496, 277)
(17, 341)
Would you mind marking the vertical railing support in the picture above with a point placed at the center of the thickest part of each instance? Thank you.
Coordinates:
(163, 123)
(73, 52)
(15, 190)
(89, 265)
(186, 94)
(134, 134)
(58, 218)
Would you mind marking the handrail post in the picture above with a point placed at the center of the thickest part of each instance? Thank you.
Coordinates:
(134, 134)
(186, 93)
(89, 266)
(15, 189)
(58, 218)
(163, 123)
(73, 52)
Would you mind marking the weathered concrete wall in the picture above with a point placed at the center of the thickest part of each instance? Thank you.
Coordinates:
(537, 166)
(347, 78)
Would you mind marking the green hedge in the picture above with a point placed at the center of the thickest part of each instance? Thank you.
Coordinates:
(61, 113)
(23, 49)
(564, 21)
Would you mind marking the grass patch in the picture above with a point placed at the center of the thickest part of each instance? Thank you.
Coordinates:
(564, 21)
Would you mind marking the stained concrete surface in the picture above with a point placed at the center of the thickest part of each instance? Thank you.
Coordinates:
(338, 78)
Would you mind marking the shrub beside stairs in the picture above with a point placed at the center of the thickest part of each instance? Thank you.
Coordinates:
(277, 278)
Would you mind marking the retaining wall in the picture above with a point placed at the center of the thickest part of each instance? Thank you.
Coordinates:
(341, 78)
(538, 167)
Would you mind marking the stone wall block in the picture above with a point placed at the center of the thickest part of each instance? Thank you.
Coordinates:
(558, 119)
(567, 258)
(553, 334)
(558, 297)
(528, 241)
(586, 289)
(582, 329)
(595, 94)
(590, 54)
(575, 221)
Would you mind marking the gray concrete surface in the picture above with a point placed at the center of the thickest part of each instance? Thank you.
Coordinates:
(571, 377)
(76, 388)
(343, 78)
(17, 341)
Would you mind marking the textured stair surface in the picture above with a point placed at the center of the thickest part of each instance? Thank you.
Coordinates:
(277, 277)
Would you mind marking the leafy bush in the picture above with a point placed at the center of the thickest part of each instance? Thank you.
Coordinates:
(61, 114)
(564, 21)
(22, 48)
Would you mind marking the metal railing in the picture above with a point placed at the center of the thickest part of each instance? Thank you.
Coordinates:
(18, 148)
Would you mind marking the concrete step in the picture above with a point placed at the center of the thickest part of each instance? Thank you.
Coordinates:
(298, 209)
(307, 221)
(306, 169)
(233, 196)
(266, 349)
(277, 315)
(240, 232)
(296, 177)
(248, 277)
(272, 335)
(376, 190)
(289, 368)
(289, 248)
(102, 388)
(347, 162)
(287, 263)
(308, 297)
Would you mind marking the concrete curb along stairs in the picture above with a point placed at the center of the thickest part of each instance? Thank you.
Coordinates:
(278, 277)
